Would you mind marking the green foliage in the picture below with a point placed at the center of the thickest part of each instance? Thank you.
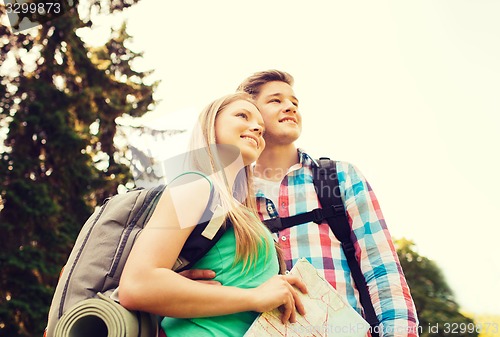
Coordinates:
(59, 159)
(437, 309)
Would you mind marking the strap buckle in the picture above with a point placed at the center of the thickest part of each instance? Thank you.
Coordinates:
(338, 210)
(348, 248)
(317, 215)
(274, 224)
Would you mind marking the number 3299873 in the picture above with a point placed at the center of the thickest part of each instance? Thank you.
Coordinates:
(41, 8)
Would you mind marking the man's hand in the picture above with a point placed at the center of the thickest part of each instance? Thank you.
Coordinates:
(200, 275)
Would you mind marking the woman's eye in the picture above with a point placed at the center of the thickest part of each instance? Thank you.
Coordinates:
(242, 115)
(275, 100)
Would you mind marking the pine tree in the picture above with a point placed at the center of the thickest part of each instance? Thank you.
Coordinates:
(59, 159)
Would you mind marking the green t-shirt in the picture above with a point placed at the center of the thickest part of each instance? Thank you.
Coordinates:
(220, 259)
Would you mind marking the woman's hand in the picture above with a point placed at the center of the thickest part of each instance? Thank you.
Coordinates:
(278, 292)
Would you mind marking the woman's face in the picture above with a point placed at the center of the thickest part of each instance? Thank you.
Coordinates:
(240, 124)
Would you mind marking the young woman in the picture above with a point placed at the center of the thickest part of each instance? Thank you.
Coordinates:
(244, 259)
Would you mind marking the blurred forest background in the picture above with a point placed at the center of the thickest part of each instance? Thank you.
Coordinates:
(59, 160)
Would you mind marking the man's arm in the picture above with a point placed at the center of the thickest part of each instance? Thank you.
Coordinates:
(379, 262)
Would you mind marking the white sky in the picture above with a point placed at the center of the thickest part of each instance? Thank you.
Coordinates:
(408, 91)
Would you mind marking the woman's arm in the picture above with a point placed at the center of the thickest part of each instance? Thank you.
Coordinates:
(149, 284)
(185, 298)
(146, 278)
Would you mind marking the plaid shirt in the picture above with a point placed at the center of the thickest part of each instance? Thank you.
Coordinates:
(379, 263)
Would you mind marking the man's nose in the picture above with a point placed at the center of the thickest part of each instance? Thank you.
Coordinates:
(289, 106)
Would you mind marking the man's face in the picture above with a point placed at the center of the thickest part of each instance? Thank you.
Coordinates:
(279, 108)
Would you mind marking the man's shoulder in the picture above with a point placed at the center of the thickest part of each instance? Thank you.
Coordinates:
(347, 171)
(343, 167)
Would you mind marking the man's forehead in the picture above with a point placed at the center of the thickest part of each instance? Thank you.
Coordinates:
(276, 85)
(277, 88)
(280, 94)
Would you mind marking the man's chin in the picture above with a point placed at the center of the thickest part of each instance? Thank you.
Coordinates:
(282, 138)
(292, 134)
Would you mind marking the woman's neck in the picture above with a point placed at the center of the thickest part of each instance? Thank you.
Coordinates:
(232, 170)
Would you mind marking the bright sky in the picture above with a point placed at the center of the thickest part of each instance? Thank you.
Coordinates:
(408, 91)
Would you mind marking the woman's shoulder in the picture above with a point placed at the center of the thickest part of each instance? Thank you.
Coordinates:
(188, 195)
(194, 179)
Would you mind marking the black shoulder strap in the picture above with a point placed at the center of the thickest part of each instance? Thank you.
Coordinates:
(327, 188)
(198, 244)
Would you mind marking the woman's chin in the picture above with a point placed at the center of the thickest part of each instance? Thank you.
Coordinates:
(248, 160)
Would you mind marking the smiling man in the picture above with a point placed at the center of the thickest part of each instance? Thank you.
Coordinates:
(284, 185)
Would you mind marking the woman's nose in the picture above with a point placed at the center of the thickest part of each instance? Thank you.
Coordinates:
(257, 128)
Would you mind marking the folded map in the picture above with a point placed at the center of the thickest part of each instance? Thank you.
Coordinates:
(327, 313)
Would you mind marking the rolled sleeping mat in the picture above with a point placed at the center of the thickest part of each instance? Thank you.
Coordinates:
(103, 317)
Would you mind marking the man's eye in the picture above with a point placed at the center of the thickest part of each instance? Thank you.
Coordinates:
(275, 101)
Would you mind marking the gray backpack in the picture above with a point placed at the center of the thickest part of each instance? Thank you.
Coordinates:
(101, 249)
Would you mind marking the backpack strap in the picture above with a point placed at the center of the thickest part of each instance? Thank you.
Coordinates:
(197, 243)
(327, 188)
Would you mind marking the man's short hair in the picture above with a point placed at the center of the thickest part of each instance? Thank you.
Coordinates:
(254, 83)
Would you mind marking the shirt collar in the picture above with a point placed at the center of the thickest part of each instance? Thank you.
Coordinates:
(305, 159)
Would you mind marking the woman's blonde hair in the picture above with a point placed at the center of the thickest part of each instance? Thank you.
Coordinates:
(207, 158)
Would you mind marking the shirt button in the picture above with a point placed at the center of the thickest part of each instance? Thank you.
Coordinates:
(283, 205)
(269, 209)
(283, 238)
